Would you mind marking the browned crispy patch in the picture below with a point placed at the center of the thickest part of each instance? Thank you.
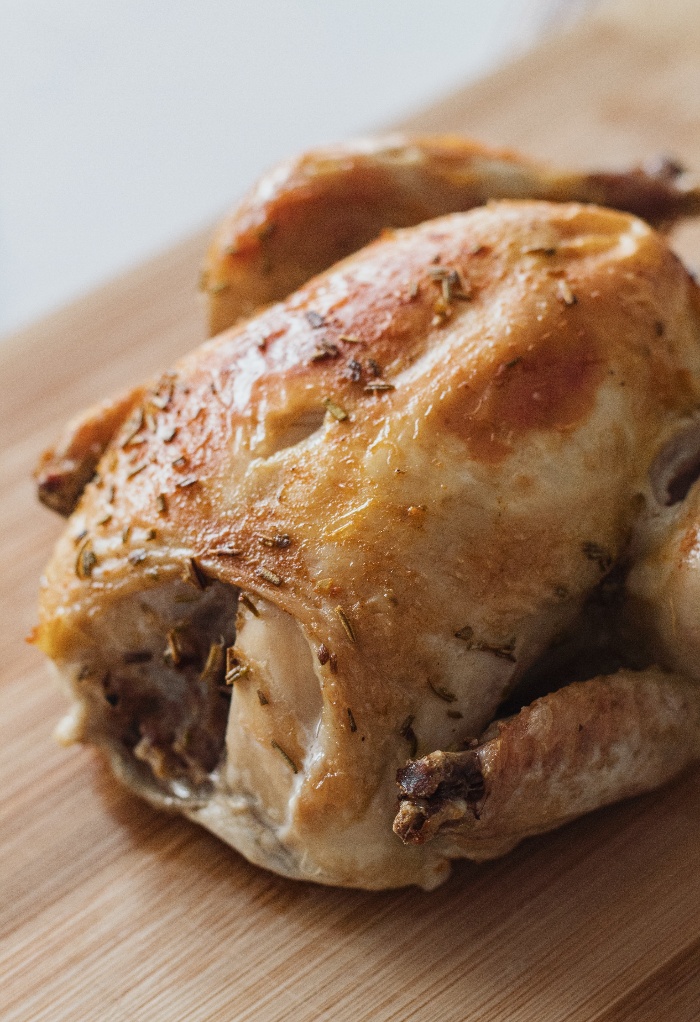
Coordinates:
(551, 386)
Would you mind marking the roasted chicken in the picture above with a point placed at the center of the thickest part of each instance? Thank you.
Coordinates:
(403, 568)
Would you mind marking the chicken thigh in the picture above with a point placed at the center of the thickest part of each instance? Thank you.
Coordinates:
(328, 545)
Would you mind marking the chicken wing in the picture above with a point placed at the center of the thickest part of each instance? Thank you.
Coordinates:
(310, 212)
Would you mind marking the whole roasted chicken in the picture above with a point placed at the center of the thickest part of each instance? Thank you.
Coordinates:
(405, 567)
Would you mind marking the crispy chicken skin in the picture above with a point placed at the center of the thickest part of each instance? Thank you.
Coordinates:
(311, 211)
(333, 540)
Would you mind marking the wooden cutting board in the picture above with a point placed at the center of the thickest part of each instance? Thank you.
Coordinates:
(112, 911)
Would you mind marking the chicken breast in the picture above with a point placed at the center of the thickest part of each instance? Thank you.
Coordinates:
(309, 212)
(333, 541)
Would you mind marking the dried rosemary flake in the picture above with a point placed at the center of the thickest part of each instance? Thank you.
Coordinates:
(135, 471)
(378, 386)
(179, 462)
(441, 692)
(285, 755)
(161, 504)
(214, 666)
(85, 561)
(195, 574)
(351, 719)
(226, 551)
(269, 576)
(105, 519)
(150, 534)
(173, 649)
(262, 698)
(314, 319)
(349, 339)
(564, 293)
(280, 540)
(450, 284)
(187, 481)
(80, 536)
(374, 367)
(334, 409)
(546, 250)
(248, 604)
(235, 670)
(126, 534)
(353, 371)
(136, 556)
(221, 285)
(323, 654)
(236, 673)
(349, 631)
(505, 652)
(406, 731)
(440, 273)
(134, 426)
(110, 494)
(413, 290)
(326, 349)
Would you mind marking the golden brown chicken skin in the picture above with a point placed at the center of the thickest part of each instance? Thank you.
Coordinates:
(332, 541)
(309, 212)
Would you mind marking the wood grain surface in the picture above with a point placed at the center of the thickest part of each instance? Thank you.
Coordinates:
(111, 911)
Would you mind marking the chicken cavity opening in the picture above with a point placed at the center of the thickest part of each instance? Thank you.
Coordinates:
(152, 685)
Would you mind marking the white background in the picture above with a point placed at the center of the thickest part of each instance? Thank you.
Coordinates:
(126, 125)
